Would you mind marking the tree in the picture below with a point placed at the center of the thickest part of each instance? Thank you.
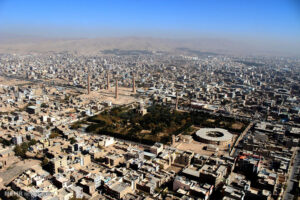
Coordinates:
(74, 198)
(183, 122)
(5, 142)
(43, 105)
(19, 151)
(76, 125)
(14, 197)
(72, 140)
(24, 146)
(53, 135)
(32, 142)
(45, 161)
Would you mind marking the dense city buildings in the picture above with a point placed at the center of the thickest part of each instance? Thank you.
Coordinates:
(132, 124)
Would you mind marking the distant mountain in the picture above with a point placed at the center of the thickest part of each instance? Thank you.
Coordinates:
(95, 46)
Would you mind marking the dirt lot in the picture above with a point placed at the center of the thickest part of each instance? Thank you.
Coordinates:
(197, 147)
(10, 82)
(174, 168)
(237, 126)
(15, 170)
(109, 95)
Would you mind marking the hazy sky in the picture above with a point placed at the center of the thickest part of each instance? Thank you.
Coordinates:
(276, 19)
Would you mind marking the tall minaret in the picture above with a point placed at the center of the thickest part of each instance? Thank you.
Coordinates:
(133, 84)
(116, 89)
(108, 81)
(176, 105)
(89, 83)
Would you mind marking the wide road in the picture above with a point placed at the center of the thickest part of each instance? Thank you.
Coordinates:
(292, 176)
(241, 136)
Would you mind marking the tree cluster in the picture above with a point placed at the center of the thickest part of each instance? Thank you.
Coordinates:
(158, 125)
(20, 150)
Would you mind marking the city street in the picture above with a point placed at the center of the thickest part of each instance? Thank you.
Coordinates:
(292, 175)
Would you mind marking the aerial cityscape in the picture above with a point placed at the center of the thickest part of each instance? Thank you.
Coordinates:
(128, 113)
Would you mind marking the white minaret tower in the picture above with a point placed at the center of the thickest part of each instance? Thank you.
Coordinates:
(133, 84)
(116, 89)
(107, 81)
(89, 82)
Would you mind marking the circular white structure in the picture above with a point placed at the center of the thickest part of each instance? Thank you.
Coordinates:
(216, 136)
